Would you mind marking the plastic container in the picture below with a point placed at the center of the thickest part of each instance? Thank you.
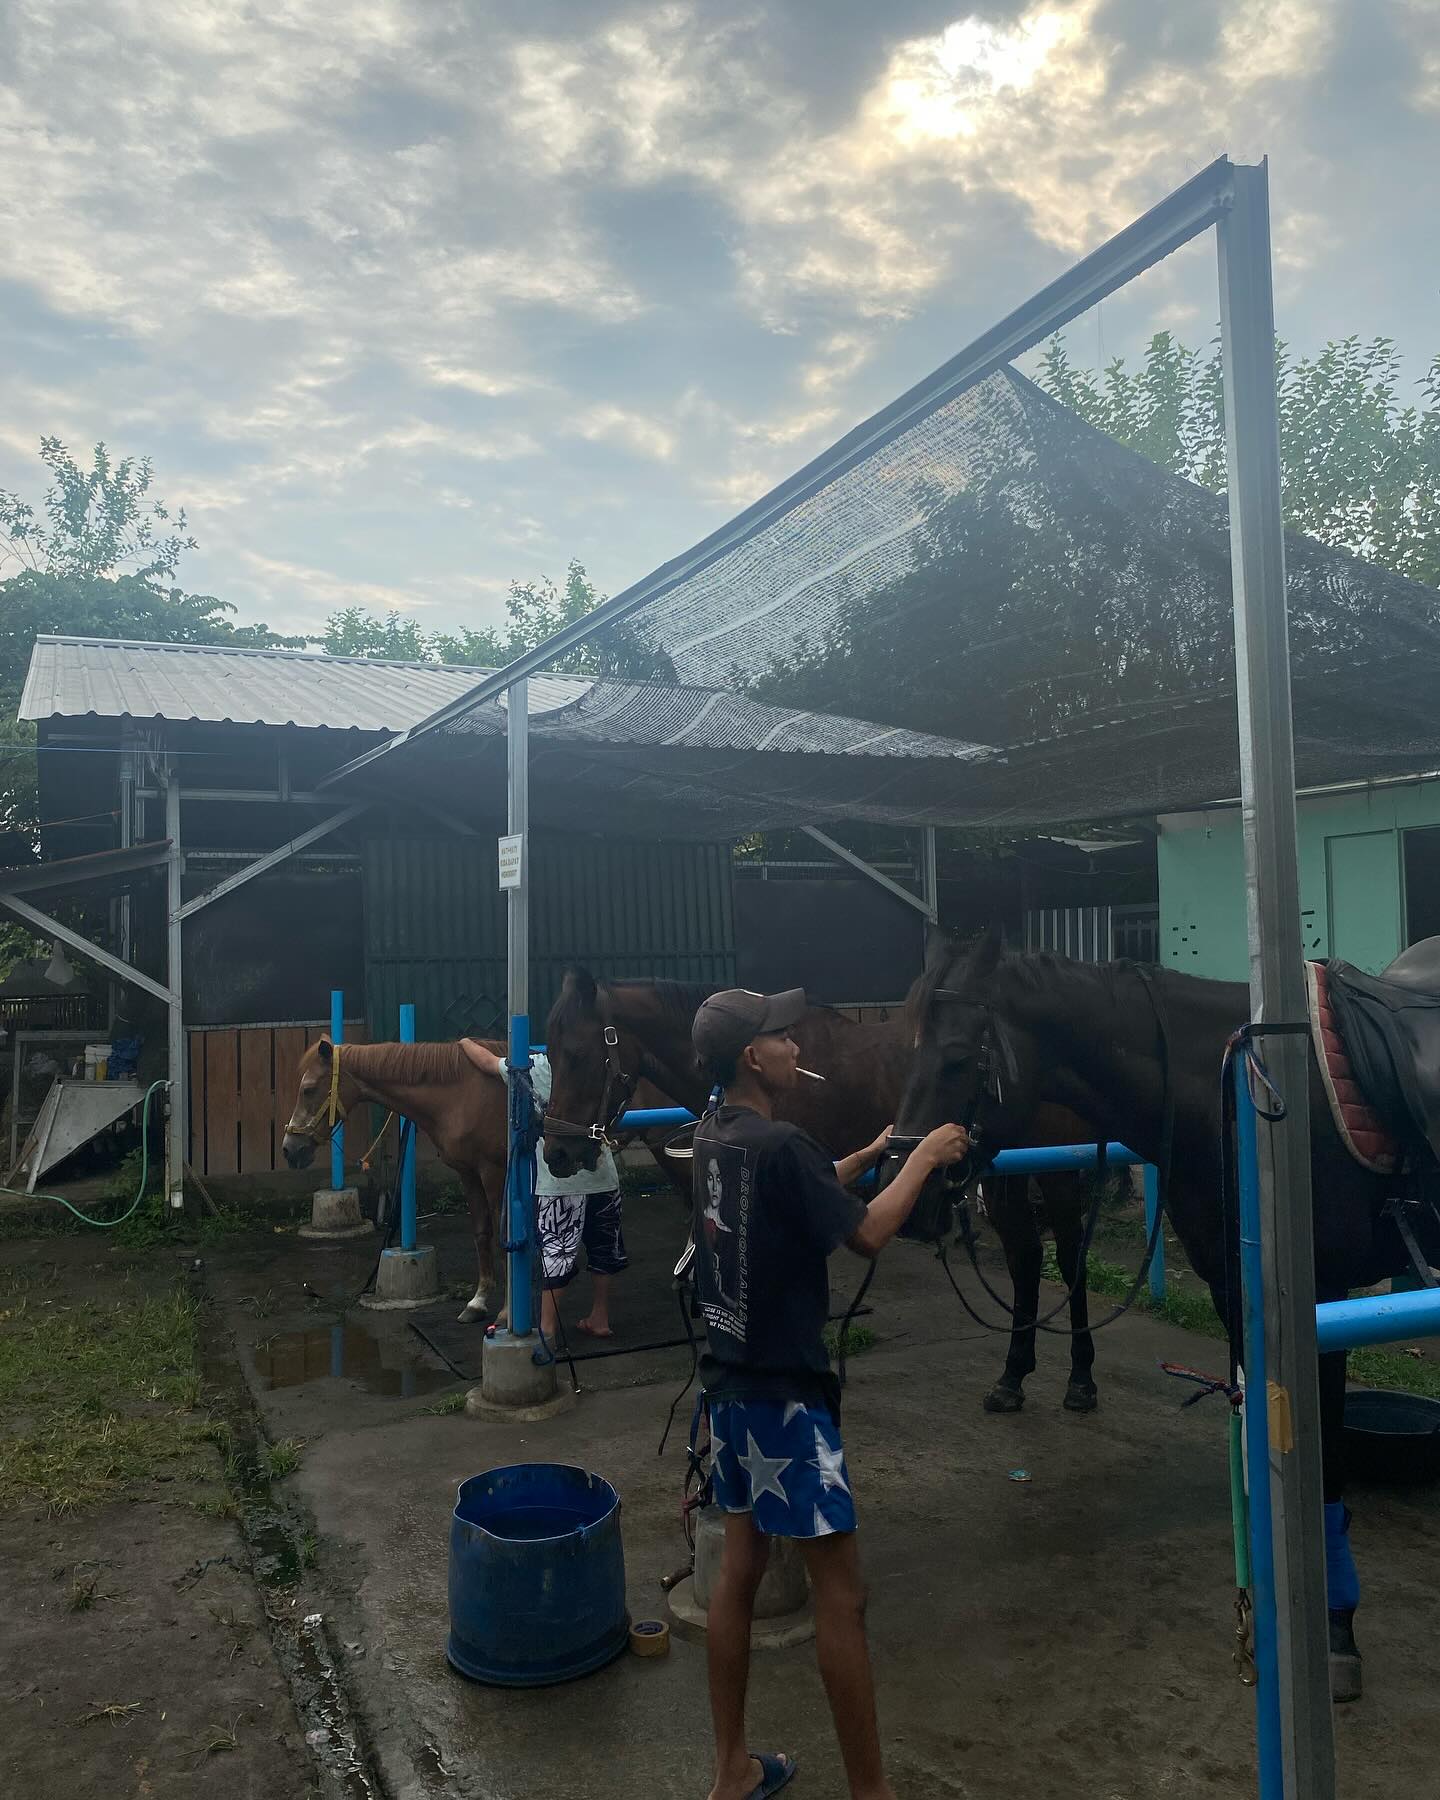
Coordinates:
(1392, 1436)
(537, 1576)
(97, 1056)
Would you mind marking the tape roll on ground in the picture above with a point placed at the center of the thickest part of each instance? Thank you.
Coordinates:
(650, 1637)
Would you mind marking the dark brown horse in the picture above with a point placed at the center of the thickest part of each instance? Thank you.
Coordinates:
(1112, 1040)
(462, 1110)
(865, 1068)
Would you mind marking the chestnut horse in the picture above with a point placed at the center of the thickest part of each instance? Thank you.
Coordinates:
(462, 1110)
(865, 1069)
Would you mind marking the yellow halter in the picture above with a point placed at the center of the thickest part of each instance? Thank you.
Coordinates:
(336, 1111)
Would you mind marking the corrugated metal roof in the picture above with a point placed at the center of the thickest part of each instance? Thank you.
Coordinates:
(111, 678)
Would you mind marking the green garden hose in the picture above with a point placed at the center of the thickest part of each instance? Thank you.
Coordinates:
(106, 1224)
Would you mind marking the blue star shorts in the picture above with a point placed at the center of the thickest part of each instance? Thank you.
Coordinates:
(783, 1463)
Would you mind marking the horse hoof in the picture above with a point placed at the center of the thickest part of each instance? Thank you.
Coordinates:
(1002, 1399)
(472, 1314)
(1346, 1679)
(1081, 1396)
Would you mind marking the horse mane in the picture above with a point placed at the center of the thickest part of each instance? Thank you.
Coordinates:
(679, 1001)
(1033, 971)
(409, 1062)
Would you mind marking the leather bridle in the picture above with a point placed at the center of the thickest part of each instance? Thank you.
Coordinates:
(987, 1088)
(615, 1095)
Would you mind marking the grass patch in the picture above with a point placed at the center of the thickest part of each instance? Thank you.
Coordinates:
(94, 1395)
(448, 1403)
(1380, 1367)
(281, 1459)
(858, 1339)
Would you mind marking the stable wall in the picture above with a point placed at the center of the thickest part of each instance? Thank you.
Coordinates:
(1369, 879)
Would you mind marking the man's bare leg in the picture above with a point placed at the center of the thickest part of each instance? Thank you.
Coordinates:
(727, 1642)
(549, 1314)
(597, 1321)
(844, 1658)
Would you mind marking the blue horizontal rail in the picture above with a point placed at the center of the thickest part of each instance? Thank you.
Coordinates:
(648, 1118)
(1042, 1159)
(1377, 1319)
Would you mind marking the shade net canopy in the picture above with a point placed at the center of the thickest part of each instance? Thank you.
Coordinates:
(997, 569)
(649, 760)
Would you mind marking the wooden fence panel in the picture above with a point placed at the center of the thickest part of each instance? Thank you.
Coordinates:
(243, 1083)
(222, 1103)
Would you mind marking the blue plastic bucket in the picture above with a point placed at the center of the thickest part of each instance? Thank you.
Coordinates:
(537, 1576)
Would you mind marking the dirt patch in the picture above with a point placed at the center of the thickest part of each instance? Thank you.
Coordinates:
(137, 1655)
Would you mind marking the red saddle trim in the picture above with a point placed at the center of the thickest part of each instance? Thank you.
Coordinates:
(1358, 1123)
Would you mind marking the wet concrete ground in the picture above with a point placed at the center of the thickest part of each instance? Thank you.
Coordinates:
(1063, 1638)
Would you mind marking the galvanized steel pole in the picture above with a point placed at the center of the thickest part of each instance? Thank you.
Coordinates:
(177, 1120)
(1277, 990)
(517, 1185)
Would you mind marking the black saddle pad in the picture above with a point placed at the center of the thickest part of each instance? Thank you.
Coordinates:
(1391, 1027)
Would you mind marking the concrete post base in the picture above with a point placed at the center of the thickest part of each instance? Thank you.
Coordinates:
(335, 1213)
(405, 1278)
(513, 1385)
(782, 1604)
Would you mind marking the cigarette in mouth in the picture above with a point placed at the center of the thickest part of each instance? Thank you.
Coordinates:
(809, 1074)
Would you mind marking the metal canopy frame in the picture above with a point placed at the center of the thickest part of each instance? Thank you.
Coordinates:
(167, 853)
(1296, 1735)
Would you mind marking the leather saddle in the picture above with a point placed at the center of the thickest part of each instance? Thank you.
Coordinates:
(1388, 1027)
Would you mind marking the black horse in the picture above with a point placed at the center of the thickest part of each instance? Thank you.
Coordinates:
(1117, 1043)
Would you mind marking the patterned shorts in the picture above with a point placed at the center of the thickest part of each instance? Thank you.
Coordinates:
(783, 1463)
(568, 1220)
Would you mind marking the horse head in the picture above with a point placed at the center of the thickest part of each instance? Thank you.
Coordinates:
(594, 1064)
(973, 1064)
(326, 1093)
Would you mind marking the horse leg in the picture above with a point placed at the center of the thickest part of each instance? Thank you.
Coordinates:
(1065, 1203)
(479, 1184)
(1341, 1580)
(1024, 1255)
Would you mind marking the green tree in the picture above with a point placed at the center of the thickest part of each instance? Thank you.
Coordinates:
(534, 611)
(97, 558)
(1361, 469)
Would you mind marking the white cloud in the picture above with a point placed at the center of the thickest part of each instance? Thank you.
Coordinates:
(609, 423)
(378, 273)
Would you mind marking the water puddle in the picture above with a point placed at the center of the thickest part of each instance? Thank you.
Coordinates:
(344, 1352)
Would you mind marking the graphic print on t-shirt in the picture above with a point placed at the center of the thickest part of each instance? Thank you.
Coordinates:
(726, 1175)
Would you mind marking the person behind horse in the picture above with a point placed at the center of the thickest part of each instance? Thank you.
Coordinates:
(570, 1210)
(769, 1207)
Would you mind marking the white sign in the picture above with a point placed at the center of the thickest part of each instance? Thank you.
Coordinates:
(512, 860)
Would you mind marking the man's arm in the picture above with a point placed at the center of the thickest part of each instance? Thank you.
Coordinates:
(889, 1210)
(483, 1057)
(850, 1168)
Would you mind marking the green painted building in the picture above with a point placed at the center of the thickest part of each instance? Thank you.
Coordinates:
(1369, 878)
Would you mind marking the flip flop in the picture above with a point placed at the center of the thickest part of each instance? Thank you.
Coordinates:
(590, 1331)
(774, 1773)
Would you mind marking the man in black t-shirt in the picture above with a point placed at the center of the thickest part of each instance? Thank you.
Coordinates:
(770, 1207)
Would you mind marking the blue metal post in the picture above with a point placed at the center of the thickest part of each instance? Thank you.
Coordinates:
(1257, 1443)
(337, 1136)
(1152, 1207)
(519, 1180)
(407, 1164)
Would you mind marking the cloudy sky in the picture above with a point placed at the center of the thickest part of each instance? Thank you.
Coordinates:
(407, 298)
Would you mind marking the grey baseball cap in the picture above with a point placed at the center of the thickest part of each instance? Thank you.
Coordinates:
(728, 1021)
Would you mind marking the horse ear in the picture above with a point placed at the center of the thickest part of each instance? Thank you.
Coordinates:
(325, 1049)
(985, 954)
(581, 984)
